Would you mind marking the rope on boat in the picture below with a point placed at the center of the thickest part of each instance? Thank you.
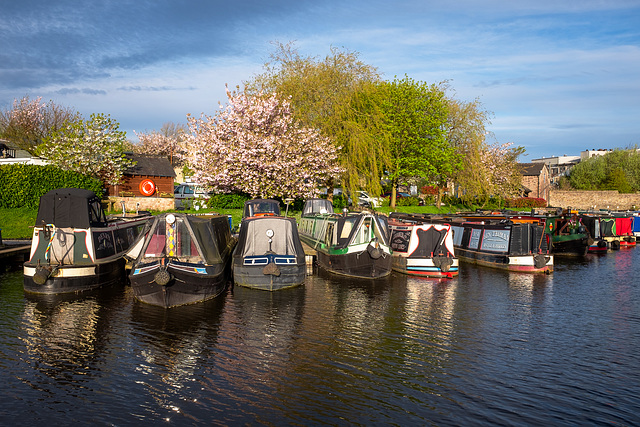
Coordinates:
(46, 252)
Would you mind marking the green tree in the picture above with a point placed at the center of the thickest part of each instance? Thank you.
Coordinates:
(415, 114)
(94, 147)
(617, 180)
(600, 172)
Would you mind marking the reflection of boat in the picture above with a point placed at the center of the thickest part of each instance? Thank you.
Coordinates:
(352, 244)
(269, 254)
(182, 260)
(75, 247)
(422, 247)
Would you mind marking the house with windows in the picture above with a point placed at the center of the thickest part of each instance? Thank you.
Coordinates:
(536, 179)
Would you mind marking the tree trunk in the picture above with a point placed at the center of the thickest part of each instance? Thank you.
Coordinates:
(392, 201)
(330, 190)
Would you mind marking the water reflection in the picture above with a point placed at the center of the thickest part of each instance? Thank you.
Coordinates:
(65, 336)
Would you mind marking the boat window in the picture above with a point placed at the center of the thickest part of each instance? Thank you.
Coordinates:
(156, 246)
(364, 232)
(347, 226)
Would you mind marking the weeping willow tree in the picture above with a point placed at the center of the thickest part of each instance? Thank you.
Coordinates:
(487, 169)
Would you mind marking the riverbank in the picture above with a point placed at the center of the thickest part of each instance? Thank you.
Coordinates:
(17, 223)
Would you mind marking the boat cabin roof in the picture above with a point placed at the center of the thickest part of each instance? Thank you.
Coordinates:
(71, 207)
(257, 207)
(317, 206)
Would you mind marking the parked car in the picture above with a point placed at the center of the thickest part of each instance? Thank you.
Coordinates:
(189, 195)
(364, 199)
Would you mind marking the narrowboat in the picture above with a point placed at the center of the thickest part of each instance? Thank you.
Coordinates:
(269, 254)
(624, 229)
(352, 244)
(502, 243)
(75, 246)
(591, 221)
(183, 259)
(422, 247)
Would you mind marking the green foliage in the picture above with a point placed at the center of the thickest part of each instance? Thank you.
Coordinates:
(227, 201)
(408, 201)
(526, 202)
(617, 170)
(95, 147)
(340, 201)
(22, 185)
(17, 223)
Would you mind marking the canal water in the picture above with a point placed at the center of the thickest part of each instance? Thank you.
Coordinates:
(486, 348)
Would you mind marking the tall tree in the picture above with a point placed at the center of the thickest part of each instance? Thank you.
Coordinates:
(605, 172)
(317, 88)
(486, 169)
(254, 145)
(29, 121)
(94, 147)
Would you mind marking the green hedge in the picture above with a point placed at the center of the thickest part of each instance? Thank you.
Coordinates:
(22, 185)
(227, 201)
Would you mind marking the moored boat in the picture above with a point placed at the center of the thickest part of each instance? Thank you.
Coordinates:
(75, 246)
(422, 247)
(351, 244)
(183, 259)
(269, 254)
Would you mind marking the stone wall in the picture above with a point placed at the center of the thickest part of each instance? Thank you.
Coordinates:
(146, 203)
(594, 200)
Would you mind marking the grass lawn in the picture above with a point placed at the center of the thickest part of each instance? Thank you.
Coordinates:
(17, 223)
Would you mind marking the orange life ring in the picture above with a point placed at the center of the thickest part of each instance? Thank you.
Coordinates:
(147, 187)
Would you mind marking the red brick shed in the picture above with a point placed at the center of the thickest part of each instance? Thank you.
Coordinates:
(151, 176)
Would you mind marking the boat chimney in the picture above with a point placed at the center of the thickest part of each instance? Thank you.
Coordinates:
(137, 208)
(123, 211)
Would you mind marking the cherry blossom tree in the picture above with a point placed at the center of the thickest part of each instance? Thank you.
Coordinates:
(29, 121)
(94, 147)
(255, 146)
(169, 141)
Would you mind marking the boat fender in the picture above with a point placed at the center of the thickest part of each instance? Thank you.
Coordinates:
(539, 260)
(374, 251)
(41, 275)
(615, 244)
(602, 244)
(443, 263)
(162, 277)
(272, 269)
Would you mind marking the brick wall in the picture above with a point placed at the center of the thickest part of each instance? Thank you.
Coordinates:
(594, 200)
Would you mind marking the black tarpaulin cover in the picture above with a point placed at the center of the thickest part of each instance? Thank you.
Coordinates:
(213, 235)
(253, 238)
(71, 207)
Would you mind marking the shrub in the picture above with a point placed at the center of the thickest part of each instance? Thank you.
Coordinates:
(23, 185)
(339, 201)
(408, 201)
(227, 201)
(429, 189)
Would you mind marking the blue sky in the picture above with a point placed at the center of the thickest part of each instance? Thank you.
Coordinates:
(560, 77)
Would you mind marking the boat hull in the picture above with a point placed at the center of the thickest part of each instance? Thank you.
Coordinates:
(571, 245)
(423, 267)
(538, 263)
(74, 278)
(271, 277)
(187, 284)
(356, 264)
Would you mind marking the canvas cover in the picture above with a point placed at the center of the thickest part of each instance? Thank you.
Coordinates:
(253, 239)
(624, 226)
(71, 207)
(315, 206)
